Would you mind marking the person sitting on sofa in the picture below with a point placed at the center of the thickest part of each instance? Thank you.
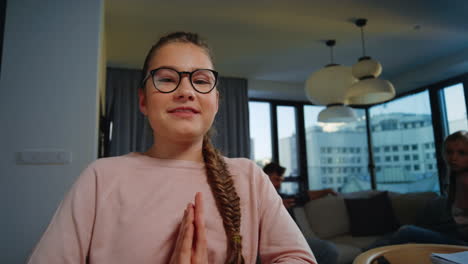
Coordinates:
(325, 252)
(455, 153)
(276, 174)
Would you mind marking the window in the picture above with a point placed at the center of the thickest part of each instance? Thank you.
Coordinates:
(396, 158)
(455, 108)
(394, 148)
(260, 133)
(386, 148)
(287, 139)
(341, 137)
(289, 188)
(413, 109)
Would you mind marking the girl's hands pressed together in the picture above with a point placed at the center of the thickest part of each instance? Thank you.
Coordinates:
(191, 241)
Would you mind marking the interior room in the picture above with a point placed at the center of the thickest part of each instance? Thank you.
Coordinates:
(70, 70)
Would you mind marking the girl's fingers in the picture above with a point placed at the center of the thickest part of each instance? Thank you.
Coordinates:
(183, 249)
(200, 246)
(189, 233)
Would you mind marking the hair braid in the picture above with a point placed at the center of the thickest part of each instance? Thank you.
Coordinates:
(227, 200)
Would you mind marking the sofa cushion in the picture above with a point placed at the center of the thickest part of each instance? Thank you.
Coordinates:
(359, 242)
(371, 216)
(303, 223)
(347, 253)
(327, 216)
(409, 205)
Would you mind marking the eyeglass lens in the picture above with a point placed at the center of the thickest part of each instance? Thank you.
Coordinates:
(166, 80)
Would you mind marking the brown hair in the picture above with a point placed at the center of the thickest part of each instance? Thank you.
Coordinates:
(462, 136)
(220, 180)
(274, 167)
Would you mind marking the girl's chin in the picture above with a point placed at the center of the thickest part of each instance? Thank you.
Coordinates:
(185, 135)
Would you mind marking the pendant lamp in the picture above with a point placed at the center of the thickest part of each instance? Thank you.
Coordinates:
(328, 86)
(369, 89)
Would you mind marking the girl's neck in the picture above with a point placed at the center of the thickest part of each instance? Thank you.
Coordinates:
(178, 150)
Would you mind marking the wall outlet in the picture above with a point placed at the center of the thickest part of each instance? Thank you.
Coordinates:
(46, 156)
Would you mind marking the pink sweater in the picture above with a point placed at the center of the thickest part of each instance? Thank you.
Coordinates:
(127, 209)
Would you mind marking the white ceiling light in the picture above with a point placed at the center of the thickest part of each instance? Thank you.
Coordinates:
(328, 86)
(337, 114)
(369, 89)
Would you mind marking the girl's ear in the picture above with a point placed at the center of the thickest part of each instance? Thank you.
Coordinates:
(142, 101)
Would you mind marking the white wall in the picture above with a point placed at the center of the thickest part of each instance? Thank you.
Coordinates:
(48, 100)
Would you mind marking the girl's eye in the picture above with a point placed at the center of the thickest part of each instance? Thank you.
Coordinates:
(200, 81)
(165, 80)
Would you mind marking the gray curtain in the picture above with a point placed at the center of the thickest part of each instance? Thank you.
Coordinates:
(131, 131)
(232, 121)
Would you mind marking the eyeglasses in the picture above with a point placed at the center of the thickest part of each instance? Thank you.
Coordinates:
(167, 80)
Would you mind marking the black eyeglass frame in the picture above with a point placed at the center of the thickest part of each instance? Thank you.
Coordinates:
(151, 73)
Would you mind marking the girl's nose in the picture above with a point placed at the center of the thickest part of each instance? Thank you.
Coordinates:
(185, 89)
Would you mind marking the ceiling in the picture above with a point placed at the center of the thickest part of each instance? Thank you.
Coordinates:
(417, 42)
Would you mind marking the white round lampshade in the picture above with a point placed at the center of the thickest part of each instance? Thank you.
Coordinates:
(337, 114)
(329, 85)
(370, 91)
(367, 67)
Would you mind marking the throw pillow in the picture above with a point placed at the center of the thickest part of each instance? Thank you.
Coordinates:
(327, 216)
(371, 216)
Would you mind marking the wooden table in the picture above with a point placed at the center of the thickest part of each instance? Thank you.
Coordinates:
(406, 253)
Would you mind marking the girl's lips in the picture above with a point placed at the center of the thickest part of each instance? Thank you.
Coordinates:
(183, 112)
(183, 109)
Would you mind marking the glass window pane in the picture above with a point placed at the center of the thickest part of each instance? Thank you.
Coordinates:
(337, 155)
(287, 139)
(260, 133)
(289, 188)
(455, 108)
(407, 124)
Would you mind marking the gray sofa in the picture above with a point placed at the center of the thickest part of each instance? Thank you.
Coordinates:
(328, 218)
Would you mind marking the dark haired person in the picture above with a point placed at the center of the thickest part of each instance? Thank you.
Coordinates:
(180, 201)
(325, 251)
(276, 174)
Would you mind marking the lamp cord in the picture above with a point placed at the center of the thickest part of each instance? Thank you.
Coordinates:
(362, 42)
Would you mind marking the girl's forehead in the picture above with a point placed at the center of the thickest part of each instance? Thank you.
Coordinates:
(180, 51)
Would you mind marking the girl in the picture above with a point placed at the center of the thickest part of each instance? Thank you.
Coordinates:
(138, 208)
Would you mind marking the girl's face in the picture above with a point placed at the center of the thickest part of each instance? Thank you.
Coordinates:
(183, 115)
(456, 155)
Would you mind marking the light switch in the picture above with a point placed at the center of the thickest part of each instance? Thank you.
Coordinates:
(43, 156)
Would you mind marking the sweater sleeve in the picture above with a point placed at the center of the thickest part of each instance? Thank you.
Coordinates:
(67, 238)
(281, 241)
